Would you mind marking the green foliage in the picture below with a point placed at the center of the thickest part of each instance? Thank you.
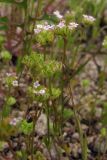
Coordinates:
(11, 101)
(54, 57)
(101, 78)
(104, 114)
(35, 62)
(26, 127)
(2, 144)
(65, 31)
(2, 39)
(3, 19)
(51, 68)
(55, 93)
(39, 156)
(7, 106)
(45, 37)
(35, 94)
(103, 132)
(20, 4)
(5, 55)
(68, 113)
(105, 42)
(3, 23)
(9, 81)
(85, 83)
(6, 130)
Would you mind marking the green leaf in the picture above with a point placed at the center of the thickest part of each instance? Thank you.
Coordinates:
(85, 148)
(68, 113)
(103, 132)
(2, 39)
(11, 101)
(6, 108)
(5, 55)
(20, 4)
(39, 156)
(3, 19)
(26, 127)
(104, 114)
(6, 111)
(85, 83)
(4, 27)
(2, 145)
(105, 105)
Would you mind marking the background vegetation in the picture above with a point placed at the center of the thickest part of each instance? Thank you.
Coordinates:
(53, 80)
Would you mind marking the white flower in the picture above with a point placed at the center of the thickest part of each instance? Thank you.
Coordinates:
(39, 26)
(88, 18)
(36, 31)
(61, 24)
(18, 30)
(57, 14)
(42, 92)
(49, 27)
(72, 25)
(8, 74)
(36, 84)
(15, 121)
(15, 83)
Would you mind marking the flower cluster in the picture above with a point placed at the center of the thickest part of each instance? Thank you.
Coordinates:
(53, 27)
(8, 74)
(60, 28)
(15, 83)
(36, 84)
(61, 24)
(88, 18)
(15, 121)
(39, 90)
(43, 27)
(71, 25)
(11, 80)
(57, 14)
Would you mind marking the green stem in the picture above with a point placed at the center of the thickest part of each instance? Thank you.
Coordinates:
(32, 140)
(27, 46)
(33, 25)
(26, 24)
(37, 114)
(83, 140)
(62, 80)
(48, 112)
